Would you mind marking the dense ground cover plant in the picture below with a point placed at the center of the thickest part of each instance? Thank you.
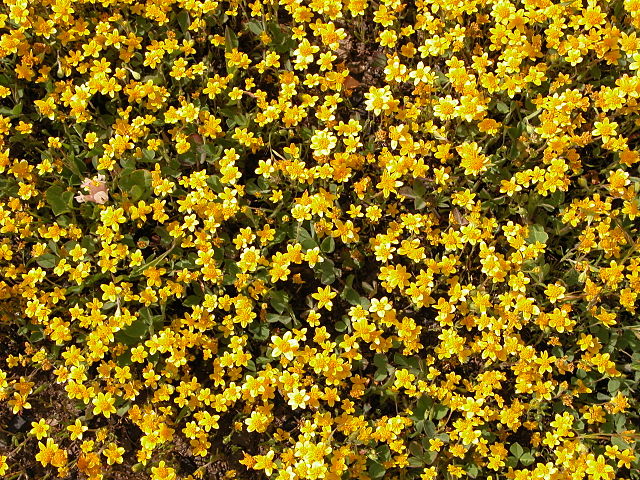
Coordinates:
(319, 239)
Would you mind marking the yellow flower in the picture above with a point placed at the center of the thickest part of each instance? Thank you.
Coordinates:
(4, 466)
(304, 54)
(264, 462)
(394, 276)
(313, 257)
(113, 453)
(378, 99)
(373, 213)
(445, 108)
(162, 472)
(286, 345)
(39, 429)
(324, 297)
(298, 398)
(24, 128)
(403, 379)
(259, 420)
(104, 404)
(91, 138)
(605, 129)
(50, 453)
(112, 217)
(429, 473)
(77, 429)
(555, 292)
(388, 38)
(472, 160)
(322, 142)
(598, 469)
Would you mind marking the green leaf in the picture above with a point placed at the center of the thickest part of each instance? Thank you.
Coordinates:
(124, 359)
(230, 39)
(128, 163)
(148, 155)
(379, 60)
(527, 459)
(620, 422)
(16, 110)
(419, 188)
(517, 450)
(328, 245)
(123, 409)
(36, 336)
(416, 449)
(234, 116)
(537, 234)
(284, 42)
(411, 363)
(556, 199)
(230, 42)
(327, 272)
(384, 453)
(502, 107)
(260, 331)
(381, 363)
(58, 199)
(424, 403)
(183, 20)
(134, 333)
(619, 442)
(305, 239)
(351, 296)
(429, 428)
(214, 183)
(440, 411)
(375, 469)
(274, 318)
(232, 270)
(48, 260)
(472, 470)
(613, 386)
(136, 183)
(279, 300)
(254, 27)
(192, 300)
(419, 203)
(136, 193)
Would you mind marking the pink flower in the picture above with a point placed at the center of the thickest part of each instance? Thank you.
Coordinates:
(98, 191)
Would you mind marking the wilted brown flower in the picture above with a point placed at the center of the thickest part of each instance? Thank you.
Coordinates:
(98, 191)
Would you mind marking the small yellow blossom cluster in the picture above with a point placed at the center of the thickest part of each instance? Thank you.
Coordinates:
(319, 239)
